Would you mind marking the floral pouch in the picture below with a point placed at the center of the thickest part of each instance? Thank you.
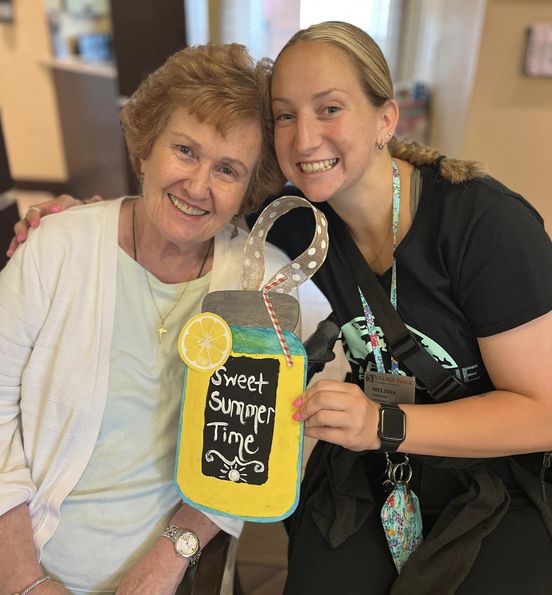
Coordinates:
(400, 515)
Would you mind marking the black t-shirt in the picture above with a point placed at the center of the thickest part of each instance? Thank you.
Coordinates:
(475, 262)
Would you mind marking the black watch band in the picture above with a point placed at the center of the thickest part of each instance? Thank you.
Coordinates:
(391, 427)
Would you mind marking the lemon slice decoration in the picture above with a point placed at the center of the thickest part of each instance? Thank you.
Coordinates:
(205, 342)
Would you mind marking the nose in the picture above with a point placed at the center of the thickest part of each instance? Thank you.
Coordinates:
(197, 182)
(307, 135)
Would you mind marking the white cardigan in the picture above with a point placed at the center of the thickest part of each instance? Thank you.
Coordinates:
(57, 303)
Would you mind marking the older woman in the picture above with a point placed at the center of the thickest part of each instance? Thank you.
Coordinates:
(91, 307)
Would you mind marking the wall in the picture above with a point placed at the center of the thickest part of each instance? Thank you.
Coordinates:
(471, 53)
(509, 126)
(27, 96)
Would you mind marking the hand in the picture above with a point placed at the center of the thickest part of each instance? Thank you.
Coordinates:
(340, 413)
(35, 213)
(159, 571)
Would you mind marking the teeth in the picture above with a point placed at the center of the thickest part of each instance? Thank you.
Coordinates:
(185, 208)
(316, 166)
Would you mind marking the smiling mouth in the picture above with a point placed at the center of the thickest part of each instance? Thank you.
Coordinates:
(186, 208)
(314, 167)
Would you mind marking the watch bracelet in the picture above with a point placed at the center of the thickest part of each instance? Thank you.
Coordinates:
(171, 531)
(33, 585)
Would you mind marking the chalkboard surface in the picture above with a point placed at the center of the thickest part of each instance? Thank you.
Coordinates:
(239, 420)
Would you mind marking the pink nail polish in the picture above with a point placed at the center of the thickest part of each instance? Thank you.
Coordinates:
(297, 416)
(34, 223)
(55, 209)
(20, 239)
(297, 403)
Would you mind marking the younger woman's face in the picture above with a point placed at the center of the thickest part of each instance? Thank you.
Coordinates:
(326, 129)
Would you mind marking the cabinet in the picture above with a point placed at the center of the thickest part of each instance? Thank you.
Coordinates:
(95, 152)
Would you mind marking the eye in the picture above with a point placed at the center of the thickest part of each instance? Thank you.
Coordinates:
(184, 149)
(282, 117)
(228, 171)
(332, 109)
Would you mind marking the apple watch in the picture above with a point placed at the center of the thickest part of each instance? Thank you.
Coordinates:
(391, 427)
(186, 543)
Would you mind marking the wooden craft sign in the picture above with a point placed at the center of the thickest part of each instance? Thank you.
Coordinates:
(239, 449)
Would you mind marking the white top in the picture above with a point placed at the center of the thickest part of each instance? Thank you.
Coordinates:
(126, 496)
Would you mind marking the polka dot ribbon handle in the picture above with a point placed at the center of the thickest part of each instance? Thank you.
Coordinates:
(293, 274)
(298, 271)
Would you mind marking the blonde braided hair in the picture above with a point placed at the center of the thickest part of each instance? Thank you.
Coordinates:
(453, 170)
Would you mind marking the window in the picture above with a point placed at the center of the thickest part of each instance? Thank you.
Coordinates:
(264, 26)
(379, 18)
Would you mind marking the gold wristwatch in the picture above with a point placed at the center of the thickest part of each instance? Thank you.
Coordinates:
(186, 543)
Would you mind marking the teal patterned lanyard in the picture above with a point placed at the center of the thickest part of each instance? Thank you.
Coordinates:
(368, 315)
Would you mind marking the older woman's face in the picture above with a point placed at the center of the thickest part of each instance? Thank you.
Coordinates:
(195, 179)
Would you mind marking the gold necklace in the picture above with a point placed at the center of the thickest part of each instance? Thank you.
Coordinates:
(162, 331)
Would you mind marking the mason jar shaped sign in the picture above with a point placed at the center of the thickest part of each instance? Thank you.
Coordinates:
(241, 456)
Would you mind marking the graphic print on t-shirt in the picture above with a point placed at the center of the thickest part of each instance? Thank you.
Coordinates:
(358, 349)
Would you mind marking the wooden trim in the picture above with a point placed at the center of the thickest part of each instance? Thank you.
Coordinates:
(43, 186)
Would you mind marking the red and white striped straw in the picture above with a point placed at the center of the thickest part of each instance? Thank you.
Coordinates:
(274, 319)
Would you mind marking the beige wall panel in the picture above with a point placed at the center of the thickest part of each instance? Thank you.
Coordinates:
(509, 126)
(27, 96)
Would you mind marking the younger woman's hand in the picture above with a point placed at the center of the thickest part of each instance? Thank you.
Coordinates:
(339, 412)
(35, 213)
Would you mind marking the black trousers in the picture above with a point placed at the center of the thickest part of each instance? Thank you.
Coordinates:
(515, 559)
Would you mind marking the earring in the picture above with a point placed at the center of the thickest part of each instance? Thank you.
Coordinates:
(380, 146)
(235, 230)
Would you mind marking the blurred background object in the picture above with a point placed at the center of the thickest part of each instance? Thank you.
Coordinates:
(6, 181)
(8, 207)
(6, 10)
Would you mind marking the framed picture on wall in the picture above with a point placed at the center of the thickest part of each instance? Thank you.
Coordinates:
(87, 8)
(6, 10)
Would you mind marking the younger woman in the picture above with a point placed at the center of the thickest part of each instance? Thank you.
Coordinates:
(467, 264)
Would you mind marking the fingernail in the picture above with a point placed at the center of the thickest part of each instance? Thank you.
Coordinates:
(297, 402)
(34, 223)
(20, 238)
(297, 416)
(9, 253)
(55, 208)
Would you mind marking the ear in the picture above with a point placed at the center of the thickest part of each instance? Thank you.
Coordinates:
(389, 116)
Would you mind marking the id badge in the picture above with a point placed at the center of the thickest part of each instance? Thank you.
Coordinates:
(389, 388)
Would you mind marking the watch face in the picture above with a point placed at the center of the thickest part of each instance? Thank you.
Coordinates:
(392, 425)
(187, 544)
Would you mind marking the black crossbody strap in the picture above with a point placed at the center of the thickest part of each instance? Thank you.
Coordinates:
(440, 383)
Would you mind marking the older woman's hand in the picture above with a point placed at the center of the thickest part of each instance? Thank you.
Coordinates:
(35, 213)
(339, 412)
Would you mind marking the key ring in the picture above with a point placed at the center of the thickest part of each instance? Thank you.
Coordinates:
(398, 473)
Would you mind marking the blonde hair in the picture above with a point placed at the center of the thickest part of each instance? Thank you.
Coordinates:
(373, 73)
(219, 84)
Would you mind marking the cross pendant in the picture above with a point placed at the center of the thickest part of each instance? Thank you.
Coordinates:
(161, 331)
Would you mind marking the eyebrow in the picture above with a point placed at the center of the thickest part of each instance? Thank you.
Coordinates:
(315, 96)
(196, 145)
